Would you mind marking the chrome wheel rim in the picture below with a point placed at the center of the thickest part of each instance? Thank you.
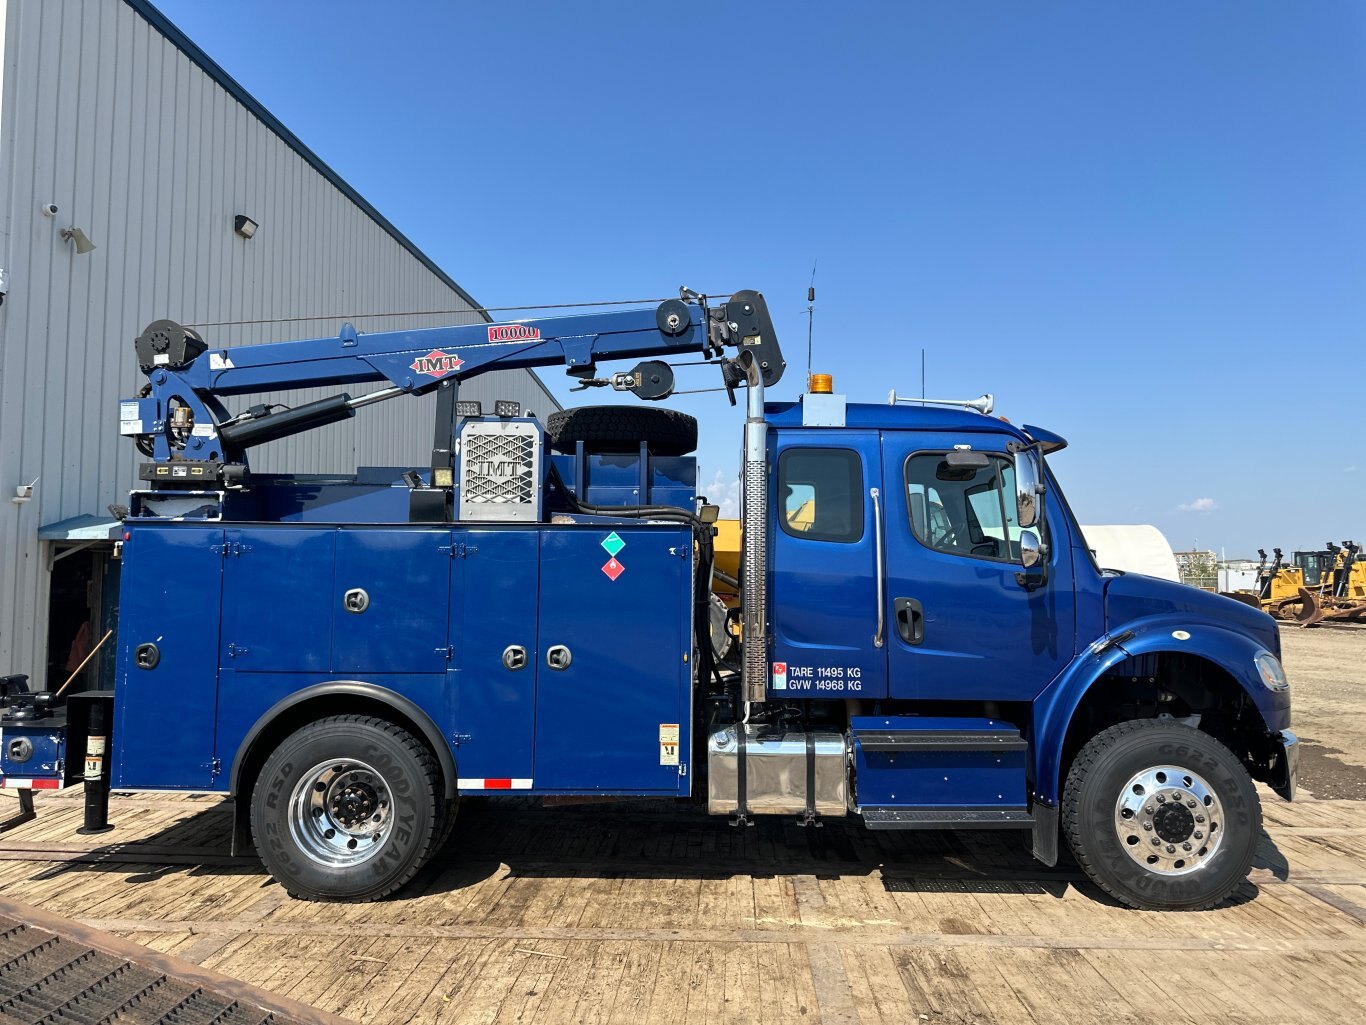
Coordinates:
(339, 813)
(1169, 820)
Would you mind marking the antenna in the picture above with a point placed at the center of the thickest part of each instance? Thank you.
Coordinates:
(922, 374)
(810, 319)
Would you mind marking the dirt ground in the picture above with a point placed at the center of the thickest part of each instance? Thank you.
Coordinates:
(1327, 670)
(658, 913)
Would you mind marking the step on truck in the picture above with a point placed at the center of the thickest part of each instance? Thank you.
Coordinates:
(925, 640)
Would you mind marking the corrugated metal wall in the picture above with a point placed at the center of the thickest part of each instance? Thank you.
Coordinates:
(102, 115)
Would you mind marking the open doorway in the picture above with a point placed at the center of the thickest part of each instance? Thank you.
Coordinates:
(82, 608)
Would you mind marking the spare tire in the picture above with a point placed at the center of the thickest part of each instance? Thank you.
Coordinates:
(667, 432)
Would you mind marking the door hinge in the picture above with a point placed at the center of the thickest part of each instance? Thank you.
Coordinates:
(235, 649)
(228, 548)
(448, 651)
(461, 738)
(215, 766)
(683, 551)
(459, 550)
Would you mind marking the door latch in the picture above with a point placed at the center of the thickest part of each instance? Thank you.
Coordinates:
(910, 620)
(514, 657)
(356, 600)
(559, 657)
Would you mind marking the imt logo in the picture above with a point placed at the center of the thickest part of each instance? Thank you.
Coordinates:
(437, 363)
(501, 469)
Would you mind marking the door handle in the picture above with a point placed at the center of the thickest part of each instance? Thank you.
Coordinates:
(910, 620)
(559, 657)
(514, 657)
(876, 496)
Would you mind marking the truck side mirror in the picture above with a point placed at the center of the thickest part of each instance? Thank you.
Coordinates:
(1028, 489)
(1032, 550)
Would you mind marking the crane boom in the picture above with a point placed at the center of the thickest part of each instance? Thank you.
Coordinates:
(181, 416)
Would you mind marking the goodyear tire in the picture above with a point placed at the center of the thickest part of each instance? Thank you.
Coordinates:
(667, 432)
(348, 809)
(1161, 816)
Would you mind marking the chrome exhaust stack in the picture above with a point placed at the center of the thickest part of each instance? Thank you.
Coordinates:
(744, 323)
(754, 538)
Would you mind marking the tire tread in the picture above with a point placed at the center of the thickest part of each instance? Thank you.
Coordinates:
(430, 842)
(1084, 764)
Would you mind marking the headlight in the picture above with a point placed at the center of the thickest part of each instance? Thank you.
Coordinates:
(1269, 666)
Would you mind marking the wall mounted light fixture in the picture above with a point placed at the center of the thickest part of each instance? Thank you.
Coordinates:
(244, 226)
(83, 243)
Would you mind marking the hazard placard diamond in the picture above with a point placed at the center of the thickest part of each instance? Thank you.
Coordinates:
(613, 569)
(613, 543)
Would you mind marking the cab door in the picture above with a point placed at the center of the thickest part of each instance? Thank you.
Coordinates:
(826, 555)
(963, 623)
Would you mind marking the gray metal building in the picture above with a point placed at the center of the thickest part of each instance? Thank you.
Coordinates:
(150, 151)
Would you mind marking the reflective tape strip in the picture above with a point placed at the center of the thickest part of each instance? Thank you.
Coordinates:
(30, 784)
(493, 784)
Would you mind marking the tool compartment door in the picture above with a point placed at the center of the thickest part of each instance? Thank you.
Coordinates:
(169, 601)
(492, 681)
(277, 599)
(390, 598)
(613, 677)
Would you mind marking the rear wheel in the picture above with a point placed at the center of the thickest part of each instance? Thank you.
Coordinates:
(348, 809)
(1161, 816)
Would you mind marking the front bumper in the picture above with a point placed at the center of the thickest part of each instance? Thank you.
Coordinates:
(1285, 763)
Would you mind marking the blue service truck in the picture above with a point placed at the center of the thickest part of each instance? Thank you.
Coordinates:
(925, 639)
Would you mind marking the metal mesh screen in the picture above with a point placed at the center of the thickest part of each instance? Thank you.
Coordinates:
(500, 471)
(503, 450)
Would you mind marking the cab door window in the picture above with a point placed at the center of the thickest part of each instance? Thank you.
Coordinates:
(820, 494)
(963, 510)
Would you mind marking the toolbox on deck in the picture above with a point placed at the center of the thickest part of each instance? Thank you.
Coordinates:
(931, 763)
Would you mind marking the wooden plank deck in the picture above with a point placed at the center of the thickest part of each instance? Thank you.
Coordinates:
(638, 913)
(656, 913)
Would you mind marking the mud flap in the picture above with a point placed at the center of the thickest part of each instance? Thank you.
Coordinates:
(1285, 748)
(1045, 836)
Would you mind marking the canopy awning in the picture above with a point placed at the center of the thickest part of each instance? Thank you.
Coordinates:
(88, 527)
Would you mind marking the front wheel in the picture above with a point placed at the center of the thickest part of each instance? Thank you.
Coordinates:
(347, 809)
(1161, 816)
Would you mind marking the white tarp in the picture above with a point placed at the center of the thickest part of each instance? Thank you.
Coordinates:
(1135, 548)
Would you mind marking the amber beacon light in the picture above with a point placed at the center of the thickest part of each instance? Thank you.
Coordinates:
(822, 384)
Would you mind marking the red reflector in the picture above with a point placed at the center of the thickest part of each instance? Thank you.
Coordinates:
(497, 784)
(127, 536)
(47, 784)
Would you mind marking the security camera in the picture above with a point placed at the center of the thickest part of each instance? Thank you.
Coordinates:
(49, 209)
(24, 492)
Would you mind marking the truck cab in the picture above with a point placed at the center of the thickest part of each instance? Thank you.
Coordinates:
(984, 672)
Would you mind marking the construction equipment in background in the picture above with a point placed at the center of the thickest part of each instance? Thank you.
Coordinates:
(1328, 585)
(1334, 586)
(725, 595)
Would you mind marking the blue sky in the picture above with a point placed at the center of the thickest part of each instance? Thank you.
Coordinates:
(1143, 226)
